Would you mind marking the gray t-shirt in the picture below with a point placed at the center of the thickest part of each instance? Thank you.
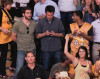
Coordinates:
(57, 67)
(25, 36)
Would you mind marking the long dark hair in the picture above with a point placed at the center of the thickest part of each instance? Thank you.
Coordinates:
(86, 52)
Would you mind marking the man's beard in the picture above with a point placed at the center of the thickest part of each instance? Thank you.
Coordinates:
(27, 18)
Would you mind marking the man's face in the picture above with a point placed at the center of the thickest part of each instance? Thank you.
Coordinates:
(28, 14)
(30, 58)
(97, 2)
(49, 15)
(75, 17)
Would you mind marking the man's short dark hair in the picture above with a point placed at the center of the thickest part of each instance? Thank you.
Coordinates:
(63, 57)
(29, 52)
(50, 9)
(25, 8)
(79, 13)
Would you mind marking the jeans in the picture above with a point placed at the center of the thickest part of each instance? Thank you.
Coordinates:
(47, 56)
(66, 19)
(20, 61)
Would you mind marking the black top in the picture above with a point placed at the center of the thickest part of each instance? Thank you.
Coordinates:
(26, 73)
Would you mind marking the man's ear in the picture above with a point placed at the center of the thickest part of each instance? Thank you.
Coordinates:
(23, 14)
(25, 58)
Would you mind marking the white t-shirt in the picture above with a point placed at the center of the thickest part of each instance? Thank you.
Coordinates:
(23, 3)
(66, 5)
(96, 30)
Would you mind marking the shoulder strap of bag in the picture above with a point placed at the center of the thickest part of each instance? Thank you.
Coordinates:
(8, 16)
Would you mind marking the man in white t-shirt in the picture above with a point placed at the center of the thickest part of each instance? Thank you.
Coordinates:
(66, 8)
(96, 36)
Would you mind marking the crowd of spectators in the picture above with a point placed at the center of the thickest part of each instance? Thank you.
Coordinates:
(50, 39)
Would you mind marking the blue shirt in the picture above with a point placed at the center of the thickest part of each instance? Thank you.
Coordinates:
(39, 9)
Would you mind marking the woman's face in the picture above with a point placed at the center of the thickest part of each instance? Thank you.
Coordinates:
(82, 53)
(97, 2)
(8, 6)
(88, 2)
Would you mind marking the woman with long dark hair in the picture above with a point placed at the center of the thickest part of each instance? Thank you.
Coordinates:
(82, 66)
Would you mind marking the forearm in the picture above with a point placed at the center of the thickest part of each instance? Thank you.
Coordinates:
(71, 57)
(14, 39)
(40, 35)
(59, 35)
(90, 38)
(66, 48)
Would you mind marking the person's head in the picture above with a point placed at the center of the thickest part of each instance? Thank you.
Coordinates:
(64, 59)
(27, 13)
(7, 4)
(97, 2)
(30, 57)
(36, 1)
(82, 52)
(77, 15)
(42, 1)
(49, 10)
(88, 2)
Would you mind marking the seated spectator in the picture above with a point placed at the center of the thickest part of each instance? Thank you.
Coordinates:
(63, 65)
(82, 66)
(39, 9)
(87, 11)
(31, 70)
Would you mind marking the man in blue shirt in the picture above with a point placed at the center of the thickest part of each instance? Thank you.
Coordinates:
(39, 9)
